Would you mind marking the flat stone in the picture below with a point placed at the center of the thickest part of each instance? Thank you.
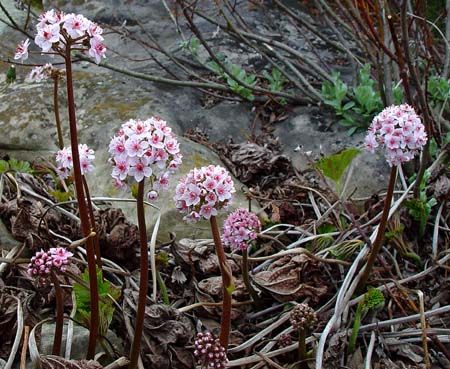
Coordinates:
(305, 140)
(79, 341)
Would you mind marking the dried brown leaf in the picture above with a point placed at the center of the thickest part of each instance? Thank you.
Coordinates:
(56, 362)
(290, 278)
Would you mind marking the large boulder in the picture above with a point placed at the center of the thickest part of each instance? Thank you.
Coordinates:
(103, 104)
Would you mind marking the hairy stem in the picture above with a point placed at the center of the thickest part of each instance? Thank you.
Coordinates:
(246, 277)
(59, 316)
(82, 207)
(143, 279)
(225, 324)
(376, 246)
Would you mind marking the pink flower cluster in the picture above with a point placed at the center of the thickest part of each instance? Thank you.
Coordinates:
(43, 262)
(202, 192)
(240, 227)
(41, 73)
(209, 352)
(56, 29)
(145, 149)
(64, 160)
(400, 130)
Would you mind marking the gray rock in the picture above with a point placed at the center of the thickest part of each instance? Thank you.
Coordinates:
(79, 341)
(103, 104)
(300, 132)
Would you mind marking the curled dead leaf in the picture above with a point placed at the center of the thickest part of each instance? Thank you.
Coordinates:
(290, 278)
(200, 255)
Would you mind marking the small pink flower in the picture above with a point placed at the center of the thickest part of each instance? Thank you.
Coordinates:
(172, 146)
(157, 139)
(22, 51)
(371, 142)
(97, 49)
(211, 184)
(117, 147)
(162, 183)
(76, 25)
(207, 210)
(94, 30)
(192, 195)
(139, 170)
(152, 195)
(135, 147)
(47, 36)
(223, 192)
(120, 170)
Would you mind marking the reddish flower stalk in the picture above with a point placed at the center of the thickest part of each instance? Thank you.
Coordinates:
(93, 227)
(56, 108)
(143, 279)
(376, 246)
(246, 276)
(59, 315)
(225, 270)
(83, 210)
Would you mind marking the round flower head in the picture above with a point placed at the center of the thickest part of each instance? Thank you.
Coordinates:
(209, 352)
(202, 192)
(44, 262)
(400, 131)
(56, 29)
(303, 317)
(239, 228)
(145, 149)
(64, 160)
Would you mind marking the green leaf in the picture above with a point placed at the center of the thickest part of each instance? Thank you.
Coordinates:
(419, 209)
(215, 68)
(61, 196)
(334, 166)
(352, 131)
(38, 4)
(4, 166)
(107, 292)
(326, 228)
(349, 105)
(19, 166)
